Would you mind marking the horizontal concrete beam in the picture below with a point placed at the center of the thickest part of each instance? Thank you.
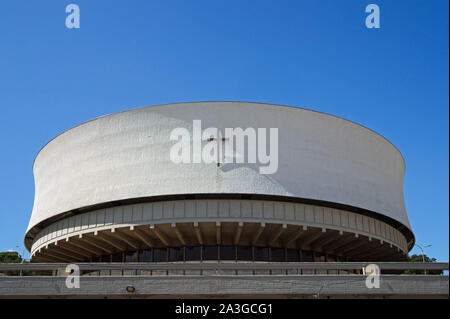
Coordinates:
(313, 285)
(229, 266)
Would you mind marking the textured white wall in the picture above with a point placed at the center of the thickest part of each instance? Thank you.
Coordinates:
(126, 155)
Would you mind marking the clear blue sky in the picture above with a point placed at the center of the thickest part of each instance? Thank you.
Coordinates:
(313, 54)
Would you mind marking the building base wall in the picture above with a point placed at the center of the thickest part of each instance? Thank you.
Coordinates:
(314, 286)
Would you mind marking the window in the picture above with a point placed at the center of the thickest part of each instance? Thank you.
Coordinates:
(278, 254)
(319, 257)
(160, 255)
(244, 253)
(145, 256)
(106, 259)
(176, 254)
(261, 254)
(293, 255)
(307, 256)
(227, 253)
(193, 253)
(131, 257)
(210, 253)
(117, 258)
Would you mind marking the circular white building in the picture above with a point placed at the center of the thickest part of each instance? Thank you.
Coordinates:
(314, 188)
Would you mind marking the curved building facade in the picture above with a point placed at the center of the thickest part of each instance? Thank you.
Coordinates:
(110, 190)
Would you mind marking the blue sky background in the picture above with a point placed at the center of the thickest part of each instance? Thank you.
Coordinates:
(313, 54)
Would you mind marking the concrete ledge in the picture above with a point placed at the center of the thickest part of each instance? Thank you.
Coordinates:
(342, 286)
(206, 265)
